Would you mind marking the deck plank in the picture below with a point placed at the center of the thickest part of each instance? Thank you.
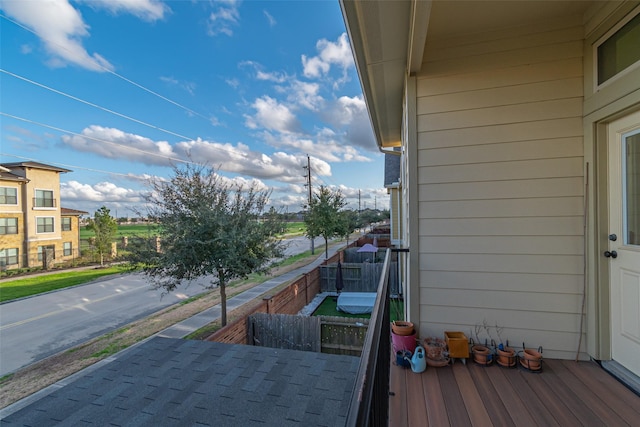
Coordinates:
(581, 413)
(493, 402)
(434, 401)
(624, 404)
(454, 403)
(398, 400)
(471, 397)
(504, 388)
(417, 411)
(605, 414)
(535, 406)
(565, 393)
(554, 396)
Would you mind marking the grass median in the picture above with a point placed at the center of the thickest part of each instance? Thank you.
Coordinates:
(33, 285)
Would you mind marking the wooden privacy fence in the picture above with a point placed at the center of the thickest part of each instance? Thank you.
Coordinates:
(357, 277)
(326, 334)
(289, 300)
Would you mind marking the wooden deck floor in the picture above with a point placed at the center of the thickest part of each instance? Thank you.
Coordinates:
(565, 393)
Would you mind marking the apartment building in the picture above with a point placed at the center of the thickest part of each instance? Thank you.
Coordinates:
(34, 229)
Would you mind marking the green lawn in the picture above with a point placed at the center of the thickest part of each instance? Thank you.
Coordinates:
(329, 308)
(128, 230)
(143, 230)
(38, 284)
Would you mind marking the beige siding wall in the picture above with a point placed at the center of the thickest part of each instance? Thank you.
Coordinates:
(500, 173)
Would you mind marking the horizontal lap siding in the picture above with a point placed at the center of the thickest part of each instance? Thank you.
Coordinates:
(500, 185)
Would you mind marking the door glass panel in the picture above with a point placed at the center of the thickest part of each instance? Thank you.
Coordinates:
(631, 197)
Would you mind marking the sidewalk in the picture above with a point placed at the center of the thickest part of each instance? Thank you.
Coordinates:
(179, 330)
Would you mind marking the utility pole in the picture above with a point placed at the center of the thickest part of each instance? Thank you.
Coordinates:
(308, 168)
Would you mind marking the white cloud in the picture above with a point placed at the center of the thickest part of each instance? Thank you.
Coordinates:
(324, 145)
(148, 10)
(223, 18)
(113, 143)
(240, 159)
(100, 192)
(272, 115)
(306, 95)
(330, 53)
(270, 19)
(350, 114)
(189, 87)
(61, 29)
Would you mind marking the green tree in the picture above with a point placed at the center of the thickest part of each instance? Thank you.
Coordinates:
(324, 217)
(104, 226)
(208, 228)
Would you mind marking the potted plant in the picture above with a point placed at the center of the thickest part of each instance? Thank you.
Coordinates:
(401, 327)
(481, 353)
(506, 356)
(531, 359)
(403, 336)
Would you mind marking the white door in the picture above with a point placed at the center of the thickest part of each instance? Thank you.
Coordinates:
(624, 240)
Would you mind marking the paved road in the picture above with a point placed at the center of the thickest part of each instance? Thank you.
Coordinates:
(34, 328)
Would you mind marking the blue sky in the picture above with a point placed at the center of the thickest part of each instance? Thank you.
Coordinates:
(118, 90)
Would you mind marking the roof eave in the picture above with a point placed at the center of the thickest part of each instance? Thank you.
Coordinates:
(387, 41)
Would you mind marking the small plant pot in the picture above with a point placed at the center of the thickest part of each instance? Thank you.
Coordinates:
(435, 348)
(481, 354)
(403, 342)
(531, 359)
(506, 357)
(400, 327)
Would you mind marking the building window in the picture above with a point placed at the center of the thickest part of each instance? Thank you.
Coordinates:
(44, 199)
(50, 249)
(66, 224)
(8, 257)
(45, 224)
(619, 51)
(67, 249)
(8, 225)
(8, 196)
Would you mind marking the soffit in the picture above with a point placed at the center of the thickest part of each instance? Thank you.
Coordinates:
(382, 32)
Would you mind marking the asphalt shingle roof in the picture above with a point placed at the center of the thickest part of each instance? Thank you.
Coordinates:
(167, 381)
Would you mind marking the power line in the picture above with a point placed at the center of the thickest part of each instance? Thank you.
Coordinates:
(63, 165)
(189, 110)
(93, 138)
(91, 104)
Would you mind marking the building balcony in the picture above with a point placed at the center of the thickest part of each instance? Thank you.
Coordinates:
(563, 392)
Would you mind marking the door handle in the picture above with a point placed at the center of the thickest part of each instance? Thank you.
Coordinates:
(611, 254)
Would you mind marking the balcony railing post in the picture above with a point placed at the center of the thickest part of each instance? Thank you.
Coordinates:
(370, 397)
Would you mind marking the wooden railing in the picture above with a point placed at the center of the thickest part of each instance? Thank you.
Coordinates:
(370, 397)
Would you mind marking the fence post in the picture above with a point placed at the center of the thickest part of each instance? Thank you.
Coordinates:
(269, 300)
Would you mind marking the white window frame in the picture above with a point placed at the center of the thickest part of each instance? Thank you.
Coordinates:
(17, 198)
(603, 39)
(53, 219)
(3, 255)
(53, 199)
(7, 226)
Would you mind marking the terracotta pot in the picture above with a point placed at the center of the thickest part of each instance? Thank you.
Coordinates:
(400, 327)
(531, 359)
(481, 354)
(438, 363)
(435, 347)
(506, 357)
